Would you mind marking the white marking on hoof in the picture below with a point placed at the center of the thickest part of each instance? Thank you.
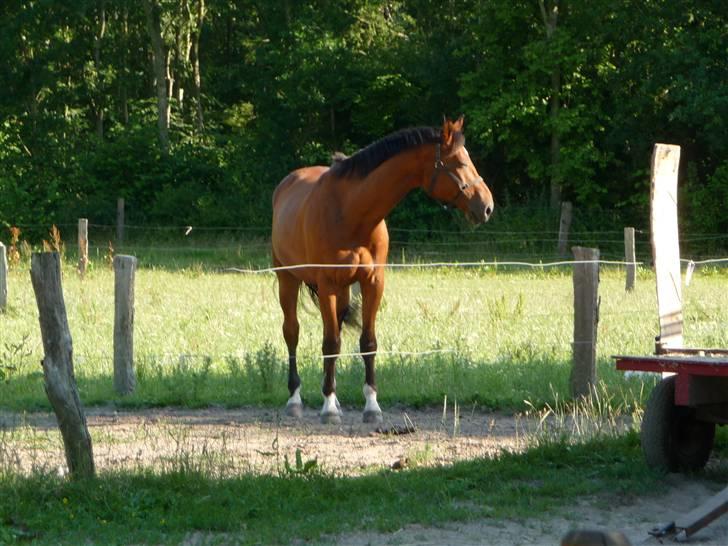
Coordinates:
(372, 411)
(294, 406)
(331, 412)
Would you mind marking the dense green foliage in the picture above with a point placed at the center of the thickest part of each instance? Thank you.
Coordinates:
(259, 87)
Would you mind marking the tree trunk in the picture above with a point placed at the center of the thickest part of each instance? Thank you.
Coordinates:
(123, 94)
(183, 43)
(60, 383)
(556, 179)
(196, 75)
(550, 17)
(97, 100)
(160, 65)
(170, 85)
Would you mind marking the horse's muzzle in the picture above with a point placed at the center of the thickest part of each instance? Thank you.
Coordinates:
(479, 212)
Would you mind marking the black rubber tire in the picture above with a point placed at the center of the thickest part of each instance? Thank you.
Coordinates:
(672, 438)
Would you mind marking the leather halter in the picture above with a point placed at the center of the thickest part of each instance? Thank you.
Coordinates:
(441, 167)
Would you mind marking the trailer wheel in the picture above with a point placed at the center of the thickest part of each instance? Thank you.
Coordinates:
(672, 438)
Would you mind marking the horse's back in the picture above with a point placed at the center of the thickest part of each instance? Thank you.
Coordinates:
(295, 187)
(289, 208)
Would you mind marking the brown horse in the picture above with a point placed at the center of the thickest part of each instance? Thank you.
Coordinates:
(335, 216)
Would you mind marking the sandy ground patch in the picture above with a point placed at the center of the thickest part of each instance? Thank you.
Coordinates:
(260, 440)
(634, 517)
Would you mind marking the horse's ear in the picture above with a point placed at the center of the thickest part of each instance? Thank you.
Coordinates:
(458, 125)
(447, 130)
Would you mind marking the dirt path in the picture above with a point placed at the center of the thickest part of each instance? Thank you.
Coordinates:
(634, 519)
(260, 440)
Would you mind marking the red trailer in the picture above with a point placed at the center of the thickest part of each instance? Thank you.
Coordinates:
(678, 426)
(679, 421)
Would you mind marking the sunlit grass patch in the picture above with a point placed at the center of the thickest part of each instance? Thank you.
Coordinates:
(491, 337)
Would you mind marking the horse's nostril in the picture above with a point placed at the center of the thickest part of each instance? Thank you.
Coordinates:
(488, 211)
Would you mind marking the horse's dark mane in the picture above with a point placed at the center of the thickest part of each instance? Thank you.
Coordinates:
(367, 159)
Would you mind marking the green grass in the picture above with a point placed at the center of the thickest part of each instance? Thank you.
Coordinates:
(204, 337)
(161, 508)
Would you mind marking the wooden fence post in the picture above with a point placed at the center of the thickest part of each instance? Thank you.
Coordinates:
(59, 379)
(629, 258)
(564, 227)
(119, 220)
(586, 317)
(82, 246)
(666, 245)
(3, 278)
(124, 377)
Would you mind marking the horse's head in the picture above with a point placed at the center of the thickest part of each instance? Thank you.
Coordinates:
(454, 181)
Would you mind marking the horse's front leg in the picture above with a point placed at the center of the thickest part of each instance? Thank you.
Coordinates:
(331, 412)
(371, 298)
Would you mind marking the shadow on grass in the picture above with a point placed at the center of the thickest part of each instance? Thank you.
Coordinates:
(148, 507)
(260, 379)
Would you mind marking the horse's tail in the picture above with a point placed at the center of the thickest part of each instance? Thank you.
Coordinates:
(351, 315)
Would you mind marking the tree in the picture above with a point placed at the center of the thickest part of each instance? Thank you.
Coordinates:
(550, 17)
(160, 63)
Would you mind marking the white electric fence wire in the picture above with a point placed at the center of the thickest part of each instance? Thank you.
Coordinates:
(705, 262)
(183, 357)
(427, 265)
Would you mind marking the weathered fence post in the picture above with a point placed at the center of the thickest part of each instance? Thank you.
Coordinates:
(59, 379)
(586, 318)
(666, 244)
(564, 227)
(3, 278)
(82, 246)
(630, 258)
(124, 377)
(119, 220)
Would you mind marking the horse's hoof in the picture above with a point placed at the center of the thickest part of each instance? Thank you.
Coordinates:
(294, 410)
(372, 417)
(331, 418)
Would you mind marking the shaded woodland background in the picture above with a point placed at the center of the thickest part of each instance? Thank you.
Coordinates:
(193, 110)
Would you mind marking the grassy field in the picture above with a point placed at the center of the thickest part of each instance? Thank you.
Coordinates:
(498, 336)
(501, 339)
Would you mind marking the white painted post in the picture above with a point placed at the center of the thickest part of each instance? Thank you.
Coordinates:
(82, 246)
(666, 245)
(124, 377)
(564, 227)
(119, 220)
(60, 382)
(629, 258)
(586, 318)
(3, 278)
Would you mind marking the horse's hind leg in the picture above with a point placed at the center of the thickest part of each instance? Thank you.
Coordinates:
(288, 287)
(330, 413)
